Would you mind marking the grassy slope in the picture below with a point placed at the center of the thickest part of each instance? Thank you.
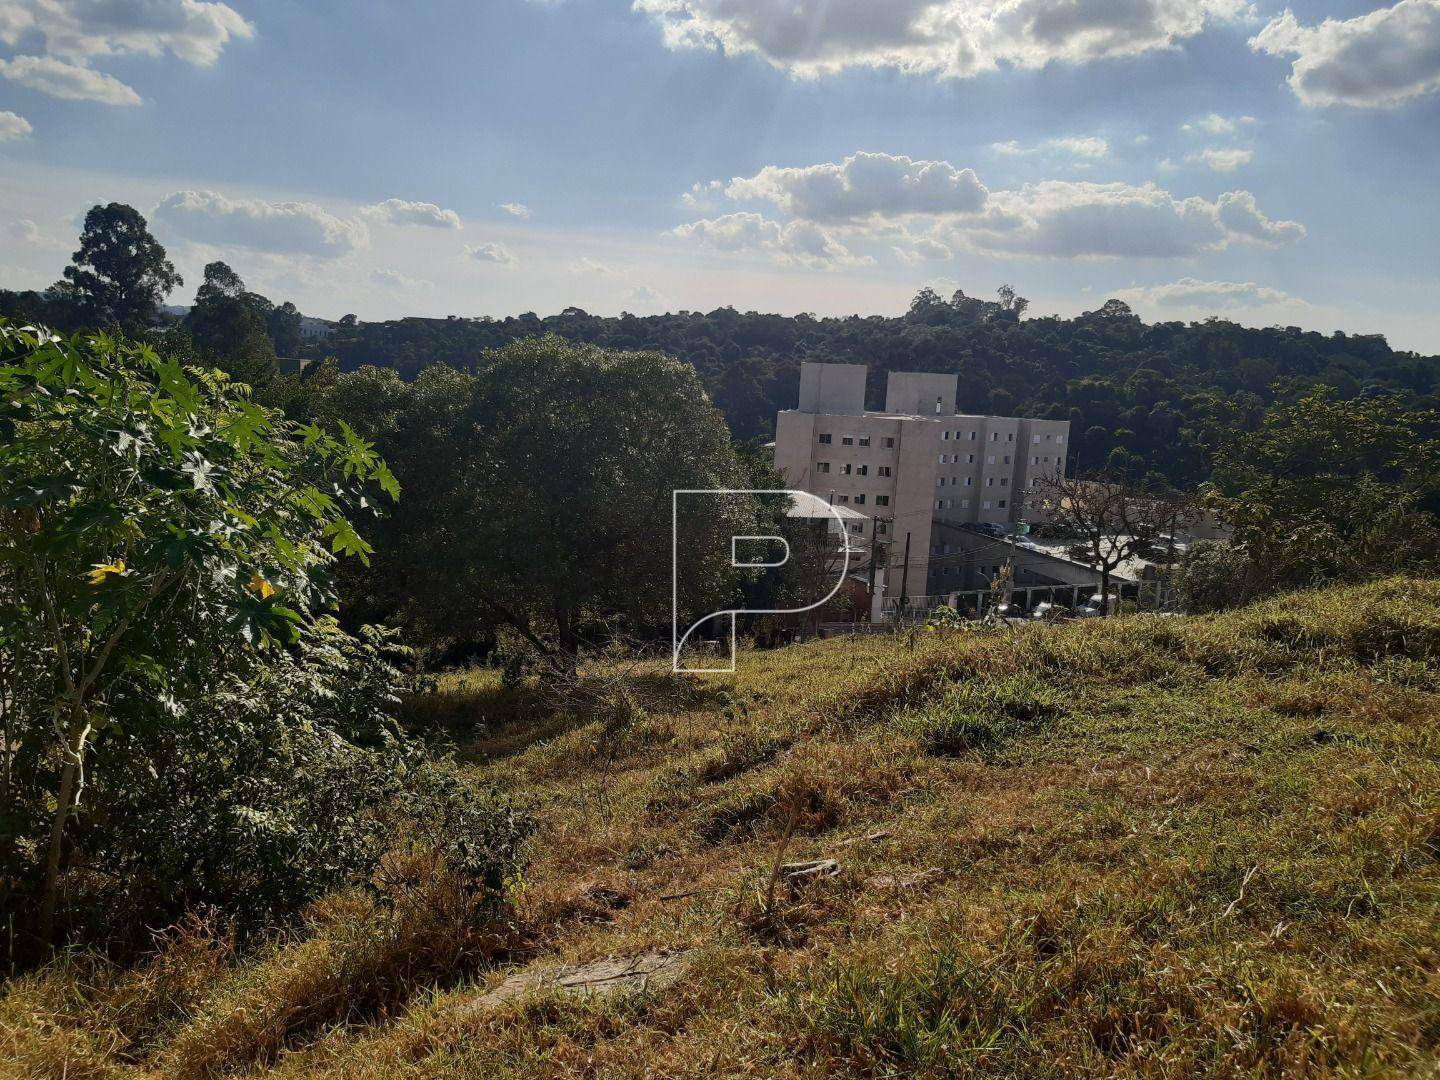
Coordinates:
(1162, 847)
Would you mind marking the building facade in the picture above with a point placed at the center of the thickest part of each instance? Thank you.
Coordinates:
(916, 463)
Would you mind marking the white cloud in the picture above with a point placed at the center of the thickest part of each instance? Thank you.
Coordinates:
(13, 126)
(1085, 149)
(1222, 159)
(1384, 58)
(871, 197)
(394, 279)
(587, 265)
(643, 294)
(1214, 295)
(403, 212)
(923, 249)
(864, 185)
(951, 38)
(1069, 220)
(69, 81)
(489, 253)
(800, 242)
(289, 228)
(1215, 124)
(24, 230)
(194, 31)
(515, 209)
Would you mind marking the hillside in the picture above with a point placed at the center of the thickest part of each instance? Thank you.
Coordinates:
(1141, 396)
(1140, 846)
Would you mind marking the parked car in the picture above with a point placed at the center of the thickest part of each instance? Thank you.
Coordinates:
(1051, 612)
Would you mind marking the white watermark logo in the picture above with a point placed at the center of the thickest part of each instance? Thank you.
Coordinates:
(802, 505)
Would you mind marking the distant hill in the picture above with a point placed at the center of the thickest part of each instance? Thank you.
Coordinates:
(1143, 397)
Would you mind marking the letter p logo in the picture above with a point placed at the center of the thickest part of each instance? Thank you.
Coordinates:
(820, 526)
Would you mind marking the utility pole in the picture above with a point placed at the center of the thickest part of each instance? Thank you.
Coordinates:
(904, 580)
(875, 548)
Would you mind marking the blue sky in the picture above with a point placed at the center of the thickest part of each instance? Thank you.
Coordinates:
(1191, 156)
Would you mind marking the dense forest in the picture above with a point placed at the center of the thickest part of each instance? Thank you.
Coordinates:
(1142, 397)
(1147, 401)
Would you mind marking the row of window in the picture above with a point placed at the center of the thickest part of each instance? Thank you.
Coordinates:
(847, 469)
(888, 441)
(964, 504)
(954, 481)
(859, 500)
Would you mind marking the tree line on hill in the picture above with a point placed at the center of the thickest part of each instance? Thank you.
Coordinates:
(1148, 402)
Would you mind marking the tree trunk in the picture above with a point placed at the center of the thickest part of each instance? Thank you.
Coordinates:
(1104, 590)
(64, 800)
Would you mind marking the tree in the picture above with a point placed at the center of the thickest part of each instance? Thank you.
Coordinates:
(120, 275)
(229, 329)
(155, 531)
(1114, 523)
(541, 492)
(1328, 488)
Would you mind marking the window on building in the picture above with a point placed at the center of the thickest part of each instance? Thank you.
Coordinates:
(939, 504)
(822, 466)
(940, 481)
(1007, 459)
(882, 500)
(842, 498)
(883, 470)
(825, 439)
(847, 440)
(1035, 460)
(859, 500)
(862, 470)
(889, 443)
(989, 481)
(989, 459)
(973, 434)
(846, 470)
(969, 481)
(1002, 504)
(857, 528)
(882, 528)
(964, 504)
(1059, 438)
(1004, 481)
(985, 505)
(994, 436)
(864, 440)
(1009, 436)
(1036, 440)
(970, 459)
(945, 435)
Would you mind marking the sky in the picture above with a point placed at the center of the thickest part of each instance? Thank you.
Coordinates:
(1266, 164)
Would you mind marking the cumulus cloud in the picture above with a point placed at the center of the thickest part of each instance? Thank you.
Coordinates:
(1222, 159)
(1214, 295)
(489, 253)
(194, 31)
(288, 228)
(13, 126)
(1085, 148)
(643, 294)
(1384, 58)
(394, 279)
(515, 209)
(1064, 219)
(72, 82)
(802, 243)
(864, 185)
(1215, 124)
(926, 209)
(951, 38)
(403, 212)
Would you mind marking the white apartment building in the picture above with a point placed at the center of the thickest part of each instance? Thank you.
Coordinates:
(915, 463)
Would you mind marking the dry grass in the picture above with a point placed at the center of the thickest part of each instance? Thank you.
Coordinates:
(1144, 847)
